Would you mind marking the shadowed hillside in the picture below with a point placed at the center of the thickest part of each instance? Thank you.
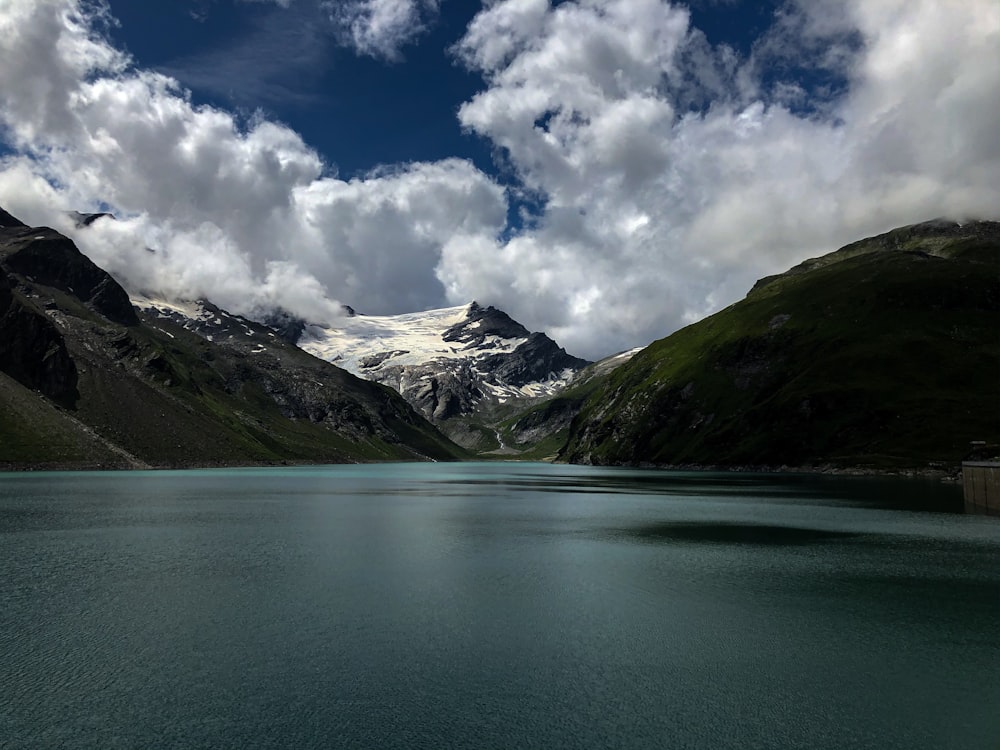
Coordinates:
(85, 381)
(884, 354)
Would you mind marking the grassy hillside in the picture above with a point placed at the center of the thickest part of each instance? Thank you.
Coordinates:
(885, 354)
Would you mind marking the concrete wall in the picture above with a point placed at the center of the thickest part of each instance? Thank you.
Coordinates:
(981, 484)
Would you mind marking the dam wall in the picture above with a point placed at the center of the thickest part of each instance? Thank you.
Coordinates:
(981, 486)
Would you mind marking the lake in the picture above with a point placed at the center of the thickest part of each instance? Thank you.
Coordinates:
(494, 605)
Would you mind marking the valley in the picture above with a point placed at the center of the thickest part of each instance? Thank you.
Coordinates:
(880, 356)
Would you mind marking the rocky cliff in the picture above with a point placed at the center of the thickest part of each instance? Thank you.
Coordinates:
(447, 363)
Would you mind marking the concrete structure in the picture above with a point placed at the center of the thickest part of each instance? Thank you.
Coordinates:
(981, 484)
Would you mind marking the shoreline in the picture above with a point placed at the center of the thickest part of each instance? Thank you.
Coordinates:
(25, 467)
(925, 472)
(938, 473)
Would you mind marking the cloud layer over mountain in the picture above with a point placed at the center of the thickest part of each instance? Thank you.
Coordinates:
(657, 175)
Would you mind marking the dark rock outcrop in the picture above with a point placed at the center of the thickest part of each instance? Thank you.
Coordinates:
(32, 350)
(441, 394)
(49, 258)
(483, 322)
(285, 324)
(85, 220)
(9, 222)
(536, 359)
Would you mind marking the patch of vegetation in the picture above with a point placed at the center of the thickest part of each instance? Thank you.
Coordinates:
(885, 356)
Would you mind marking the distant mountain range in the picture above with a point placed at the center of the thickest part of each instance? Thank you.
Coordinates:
(447, 362)
(457, 366)
(882, 355)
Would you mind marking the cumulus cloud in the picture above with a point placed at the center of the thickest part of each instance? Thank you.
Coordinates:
(372, 28)
(243, 212)
(659, 206)
(661, 174)
(381, 28)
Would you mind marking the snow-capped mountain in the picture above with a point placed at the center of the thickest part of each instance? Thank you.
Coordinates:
(209, 322)
(446, 362)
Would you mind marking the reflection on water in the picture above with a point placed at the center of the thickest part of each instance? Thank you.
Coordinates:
(731, 533)
(493, 605)
(911, 494)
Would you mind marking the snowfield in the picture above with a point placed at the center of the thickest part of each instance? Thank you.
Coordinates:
(445, 361)
(358, 342)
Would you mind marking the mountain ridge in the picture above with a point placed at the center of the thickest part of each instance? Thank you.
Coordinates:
(876, 356)
(87, 381)
(881, 355)
(449, 362)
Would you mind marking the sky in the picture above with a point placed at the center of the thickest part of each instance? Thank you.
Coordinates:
(606, 171)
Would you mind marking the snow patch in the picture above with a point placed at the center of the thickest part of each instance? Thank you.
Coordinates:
(397, 340)
(163, 308)
(628, 354)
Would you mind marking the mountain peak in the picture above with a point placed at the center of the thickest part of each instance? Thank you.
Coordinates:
(938, 237)
(85, 220)
(481, 322)
(9, 222)
(447, 362)
(53, 260)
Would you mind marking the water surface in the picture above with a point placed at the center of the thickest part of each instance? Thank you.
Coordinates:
(493, 606)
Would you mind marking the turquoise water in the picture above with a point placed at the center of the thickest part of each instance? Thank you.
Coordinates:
(493, 606)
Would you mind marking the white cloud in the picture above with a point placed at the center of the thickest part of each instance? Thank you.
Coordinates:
(243, 213)
(53, 38)
(666, 174)
(378, 239)
(381, 28)
(655, 214)
(495, 35)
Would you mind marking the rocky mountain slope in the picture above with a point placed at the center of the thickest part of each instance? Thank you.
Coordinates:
(447, 363)
(85, 380)
(884, 354)
(537, 429)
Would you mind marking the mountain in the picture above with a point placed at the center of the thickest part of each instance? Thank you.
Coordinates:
(884, 354)
(86, 380)
(881, 355)
(539, 428)
(449, 364)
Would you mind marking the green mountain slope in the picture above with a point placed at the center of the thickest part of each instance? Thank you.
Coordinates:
(86, 382)
(536, 429)
(884, 354)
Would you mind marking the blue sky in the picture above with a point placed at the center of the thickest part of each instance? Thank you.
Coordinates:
(359, 111)
(604, 170)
